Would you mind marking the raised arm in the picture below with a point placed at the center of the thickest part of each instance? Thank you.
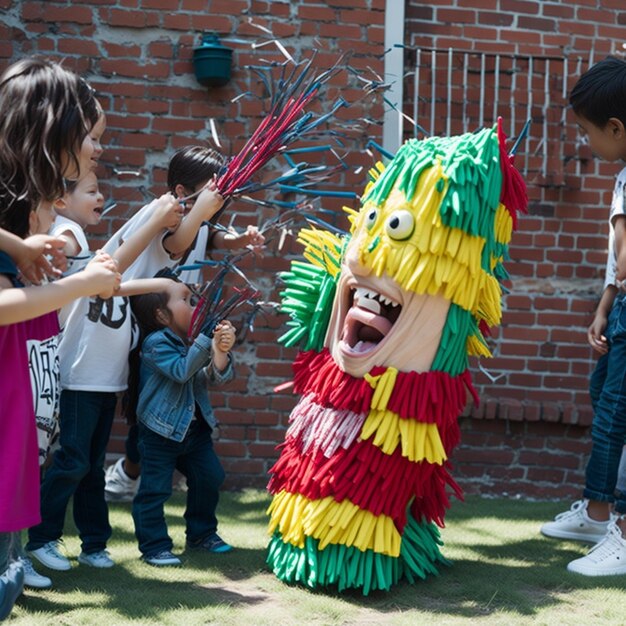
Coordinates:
(140, 286)
(18, 305)
(206, 206)
(166, 215)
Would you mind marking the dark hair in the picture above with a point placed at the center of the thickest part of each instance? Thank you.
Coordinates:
(144, 308)
(600, 93)
(193, 165)
(46, 112)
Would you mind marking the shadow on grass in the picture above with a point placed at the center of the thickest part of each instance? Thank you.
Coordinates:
(500, 565)
(126, 595)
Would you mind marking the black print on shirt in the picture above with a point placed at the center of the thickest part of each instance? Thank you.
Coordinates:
(105, 310)
(43, 364)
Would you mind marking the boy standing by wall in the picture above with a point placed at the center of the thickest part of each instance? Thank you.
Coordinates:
(599, 103)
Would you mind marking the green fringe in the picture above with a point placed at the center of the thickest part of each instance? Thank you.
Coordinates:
(451, 354)
(308, 299)
(350, 568)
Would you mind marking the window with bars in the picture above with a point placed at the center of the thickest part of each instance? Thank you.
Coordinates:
(449, 92)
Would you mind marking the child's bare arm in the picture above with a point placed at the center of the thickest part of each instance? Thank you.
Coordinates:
(17, 305)
(223, 341)
(232, 240)
(619, 224)
(37, 256)
(143, 285)
(166, 215)
(595, 332)
(206, 206)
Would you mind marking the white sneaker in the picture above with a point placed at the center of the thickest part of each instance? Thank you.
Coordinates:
(50, 556)
(32, 578)
(162, 559)
(100, 559)
(606, 558)
(119, 486)
(577, 525)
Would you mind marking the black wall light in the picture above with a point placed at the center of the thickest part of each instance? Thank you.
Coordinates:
(212, 61)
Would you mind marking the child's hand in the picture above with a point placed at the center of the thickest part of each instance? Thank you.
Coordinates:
(209, 201)
(223, 337)
(41, 256)
(251, 239)
(102, 274)
(167, 212)
(595, 335)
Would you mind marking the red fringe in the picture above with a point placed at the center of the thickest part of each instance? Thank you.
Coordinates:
(380, 483)
(513, 195)
(432, 397)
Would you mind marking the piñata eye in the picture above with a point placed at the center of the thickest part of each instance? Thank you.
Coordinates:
(400, 225)
(370, 218)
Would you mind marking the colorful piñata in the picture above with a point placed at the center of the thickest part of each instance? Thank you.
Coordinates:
(386, 318)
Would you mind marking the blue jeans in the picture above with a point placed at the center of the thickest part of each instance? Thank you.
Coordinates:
(193, 457)
(11, 571)
(77, 470)
(608, 398)
(131, 445)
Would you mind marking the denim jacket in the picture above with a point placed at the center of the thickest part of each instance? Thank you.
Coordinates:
(173, 378)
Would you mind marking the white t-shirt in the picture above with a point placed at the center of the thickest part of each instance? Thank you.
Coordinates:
(618, 207)
(98, 334)
(60, 226)
(196, 253)
(153, 258)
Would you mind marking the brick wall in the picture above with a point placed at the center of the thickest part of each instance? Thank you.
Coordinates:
(137, 55)
(530, 433)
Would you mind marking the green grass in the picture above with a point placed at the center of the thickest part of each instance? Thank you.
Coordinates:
(503, 572)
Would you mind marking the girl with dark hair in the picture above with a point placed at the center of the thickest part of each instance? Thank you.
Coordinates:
(47, 116)
(176, 419)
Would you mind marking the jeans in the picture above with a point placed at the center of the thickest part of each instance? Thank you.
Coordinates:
(131, 445)
(608, 398)
(195, 458)
(77, 470)
(11, 572)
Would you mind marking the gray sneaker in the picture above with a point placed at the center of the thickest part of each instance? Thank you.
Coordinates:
(32, 578)
(575, 524)
(50, 556)
(162, 559)
(100, 559)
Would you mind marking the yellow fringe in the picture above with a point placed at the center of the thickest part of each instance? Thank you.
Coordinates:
(323, 245)
(503, 226)
(419, 441)
(435, 259)
(383, 386)
(476, 347)
(331, 522)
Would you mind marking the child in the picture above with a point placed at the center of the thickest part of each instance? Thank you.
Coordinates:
(176, 420)
(46, 115)
(599, 103)
(92, 355)
(190, 168)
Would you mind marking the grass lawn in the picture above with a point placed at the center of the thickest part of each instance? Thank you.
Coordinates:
(503, 572)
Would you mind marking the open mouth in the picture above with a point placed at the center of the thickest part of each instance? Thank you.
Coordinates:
(370, 318)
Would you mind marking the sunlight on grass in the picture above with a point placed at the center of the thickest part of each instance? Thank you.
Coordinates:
(502, 572)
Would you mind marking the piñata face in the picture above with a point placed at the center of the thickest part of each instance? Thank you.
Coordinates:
(429, 236)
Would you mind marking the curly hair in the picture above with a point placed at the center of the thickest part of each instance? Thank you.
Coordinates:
(46, 112)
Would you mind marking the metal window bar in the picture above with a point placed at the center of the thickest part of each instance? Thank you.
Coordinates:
(460, 91)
